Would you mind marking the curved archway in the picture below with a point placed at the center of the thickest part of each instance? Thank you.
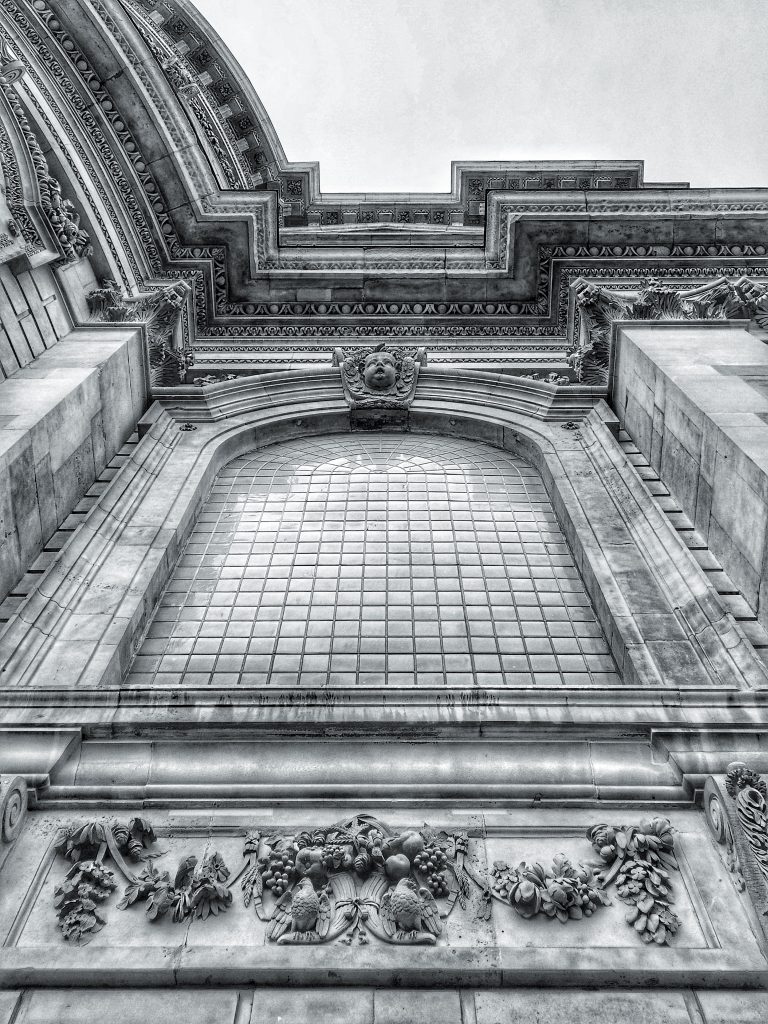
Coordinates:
(375, 560)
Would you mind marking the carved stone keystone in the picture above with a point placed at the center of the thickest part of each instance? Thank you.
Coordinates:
(383, 377)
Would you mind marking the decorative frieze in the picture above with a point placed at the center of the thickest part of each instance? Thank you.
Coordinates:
(359, 880)
(599, 308)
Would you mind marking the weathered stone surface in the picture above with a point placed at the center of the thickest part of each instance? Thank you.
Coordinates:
(516, 666)
(705, 384)
(67, 416)
(529, 1006)
(284, 1006)
(129, 1007)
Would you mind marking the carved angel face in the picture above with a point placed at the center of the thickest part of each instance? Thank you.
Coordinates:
(379, 372)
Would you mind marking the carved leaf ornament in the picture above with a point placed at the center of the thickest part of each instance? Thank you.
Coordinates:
(358, 878)
(599, 308)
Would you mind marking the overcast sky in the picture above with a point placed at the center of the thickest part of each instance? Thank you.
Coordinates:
(385, 93)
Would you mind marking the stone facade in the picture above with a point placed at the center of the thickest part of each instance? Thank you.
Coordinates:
(383, 634)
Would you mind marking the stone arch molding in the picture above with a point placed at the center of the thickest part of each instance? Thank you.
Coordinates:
(112, 574)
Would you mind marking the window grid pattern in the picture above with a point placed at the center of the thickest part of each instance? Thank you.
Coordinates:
(371, 561)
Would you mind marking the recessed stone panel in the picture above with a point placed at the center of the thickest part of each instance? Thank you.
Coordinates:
(469, 926)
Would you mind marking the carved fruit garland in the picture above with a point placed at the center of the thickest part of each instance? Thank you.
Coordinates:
(358, 878)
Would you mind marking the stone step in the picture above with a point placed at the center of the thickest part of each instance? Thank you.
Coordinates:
(755, 633)
(680, 521)
(73, 520)
(656, 488)
(730, 596)
(738, 607)
(10, 606)
(707, 560)
(31, 579)
(58, 540)
(96, 489)
(722, 582)
(667, 503)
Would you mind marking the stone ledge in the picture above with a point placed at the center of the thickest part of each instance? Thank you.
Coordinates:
(273, 1005)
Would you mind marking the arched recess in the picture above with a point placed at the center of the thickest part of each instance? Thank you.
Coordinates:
(663, 625)
(369, 560)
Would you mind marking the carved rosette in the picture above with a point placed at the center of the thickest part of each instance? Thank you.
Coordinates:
(598, 308)
(381, 377)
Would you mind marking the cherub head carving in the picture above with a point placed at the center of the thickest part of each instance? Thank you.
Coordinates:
(383, 377)
(379, 370)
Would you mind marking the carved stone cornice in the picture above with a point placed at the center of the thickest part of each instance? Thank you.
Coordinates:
(199, 218)
(599, 308)
(60, 213)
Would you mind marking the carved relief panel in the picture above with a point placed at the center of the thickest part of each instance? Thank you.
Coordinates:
(514, 891)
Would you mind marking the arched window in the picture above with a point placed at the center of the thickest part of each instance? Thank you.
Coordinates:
(374, 560)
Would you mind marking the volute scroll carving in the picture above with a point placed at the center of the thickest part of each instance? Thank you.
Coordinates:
(13, 811)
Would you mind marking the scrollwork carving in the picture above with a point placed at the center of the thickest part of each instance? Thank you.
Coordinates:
(60, 213)
(749, 791)
(13, 807)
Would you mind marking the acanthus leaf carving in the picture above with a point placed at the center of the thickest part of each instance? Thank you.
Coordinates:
(599, 308)
(160, 311)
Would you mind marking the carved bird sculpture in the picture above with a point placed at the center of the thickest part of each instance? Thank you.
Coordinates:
(185, 871)
(301, 915)
(409, 913)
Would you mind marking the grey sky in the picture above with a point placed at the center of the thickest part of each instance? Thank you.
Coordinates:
(385, 93)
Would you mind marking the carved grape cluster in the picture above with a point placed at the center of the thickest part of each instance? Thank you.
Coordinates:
(279, 873)
(432, 862)
(86, 884)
